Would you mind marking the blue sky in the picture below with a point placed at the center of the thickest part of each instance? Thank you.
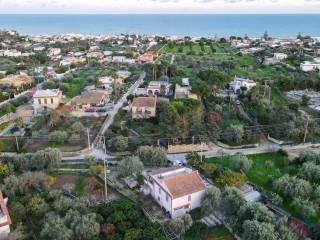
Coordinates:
(159, 6)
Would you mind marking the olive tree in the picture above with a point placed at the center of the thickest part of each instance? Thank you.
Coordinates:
(310, 171)
(152, 156)
(255, 230)
(255, 211)
(59, 137)
(308, 156)
(84, 226)
(182, 225)
(211, 200)
(317, 193)
(232, 200)
(286, 232)
(130, 166)
(292, 187)
(240, 162)
(54, 228)
(118, 143)
(305, 208)
(24, 183)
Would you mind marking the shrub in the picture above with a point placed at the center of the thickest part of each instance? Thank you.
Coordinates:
(292, 187)
(59, 137)
(241, 163)
(152, 156)
(305, 208)
(198, 230)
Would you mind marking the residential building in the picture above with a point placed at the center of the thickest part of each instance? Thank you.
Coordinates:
(178, 190)
(92, 98)
(183, 90)
(107, 82)
(143, 107)
(277, 58)
(310, 66)
(238, 83)
(98, 55)
(156, 88)
(54, 51)
(46, 99)
(73, 61)
(16, 80)
(12, 53)
(123, 74)
(146, 58)
(5, 220)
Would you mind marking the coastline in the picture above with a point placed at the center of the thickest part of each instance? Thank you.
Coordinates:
(194, 25)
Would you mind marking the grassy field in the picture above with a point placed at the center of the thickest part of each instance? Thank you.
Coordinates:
(216, 233)
(80, 185)
(264, 166)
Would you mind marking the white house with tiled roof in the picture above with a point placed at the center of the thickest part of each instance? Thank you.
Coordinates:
(5, 220)
(178, 190)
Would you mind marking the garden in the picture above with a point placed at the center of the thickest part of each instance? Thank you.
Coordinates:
(291, 185)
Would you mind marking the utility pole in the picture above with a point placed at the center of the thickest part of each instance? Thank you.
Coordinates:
(17, 143)
(88, 135)
(306, 130)
(201, 153)
(105, 169)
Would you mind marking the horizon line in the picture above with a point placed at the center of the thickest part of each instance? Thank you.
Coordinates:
(167, 13)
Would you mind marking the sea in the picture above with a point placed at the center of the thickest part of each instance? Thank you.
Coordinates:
(195, 25)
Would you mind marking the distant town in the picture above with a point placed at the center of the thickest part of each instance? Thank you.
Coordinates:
(159, 137)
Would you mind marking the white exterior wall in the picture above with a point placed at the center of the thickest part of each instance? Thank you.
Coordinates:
(195, 202)
(160, 197)
(5, 230)
(49, 105)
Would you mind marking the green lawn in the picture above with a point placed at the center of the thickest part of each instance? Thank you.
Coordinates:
(217, 232)
(80, 184)
(261, 170)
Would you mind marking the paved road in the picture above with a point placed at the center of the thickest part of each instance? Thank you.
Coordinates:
(263, 148)
(109, 120)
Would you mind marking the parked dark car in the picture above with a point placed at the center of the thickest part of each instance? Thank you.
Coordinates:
(101, 110)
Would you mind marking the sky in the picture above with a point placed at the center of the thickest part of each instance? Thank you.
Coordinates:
(158, 6)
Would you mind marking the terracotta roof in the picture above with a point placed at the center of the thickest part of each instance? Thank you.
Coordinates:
(186, 184)
(90, 97)
(144, 102)
(5, 211)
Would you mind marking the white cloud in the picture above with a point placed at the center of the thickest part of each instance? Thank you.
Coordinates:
(159, 6)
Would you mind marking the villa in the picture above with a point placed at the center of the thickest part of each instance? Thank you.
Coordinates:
(178, 190)
(156, 88)
(91, 98)
(16, 80)
(143, 107)
(46, 99)
(239, 83)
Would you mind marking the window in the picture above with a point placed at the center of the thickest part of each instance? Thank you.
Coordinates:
(45, 101)
(51, 100)
(189, 198)
(39, 101)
